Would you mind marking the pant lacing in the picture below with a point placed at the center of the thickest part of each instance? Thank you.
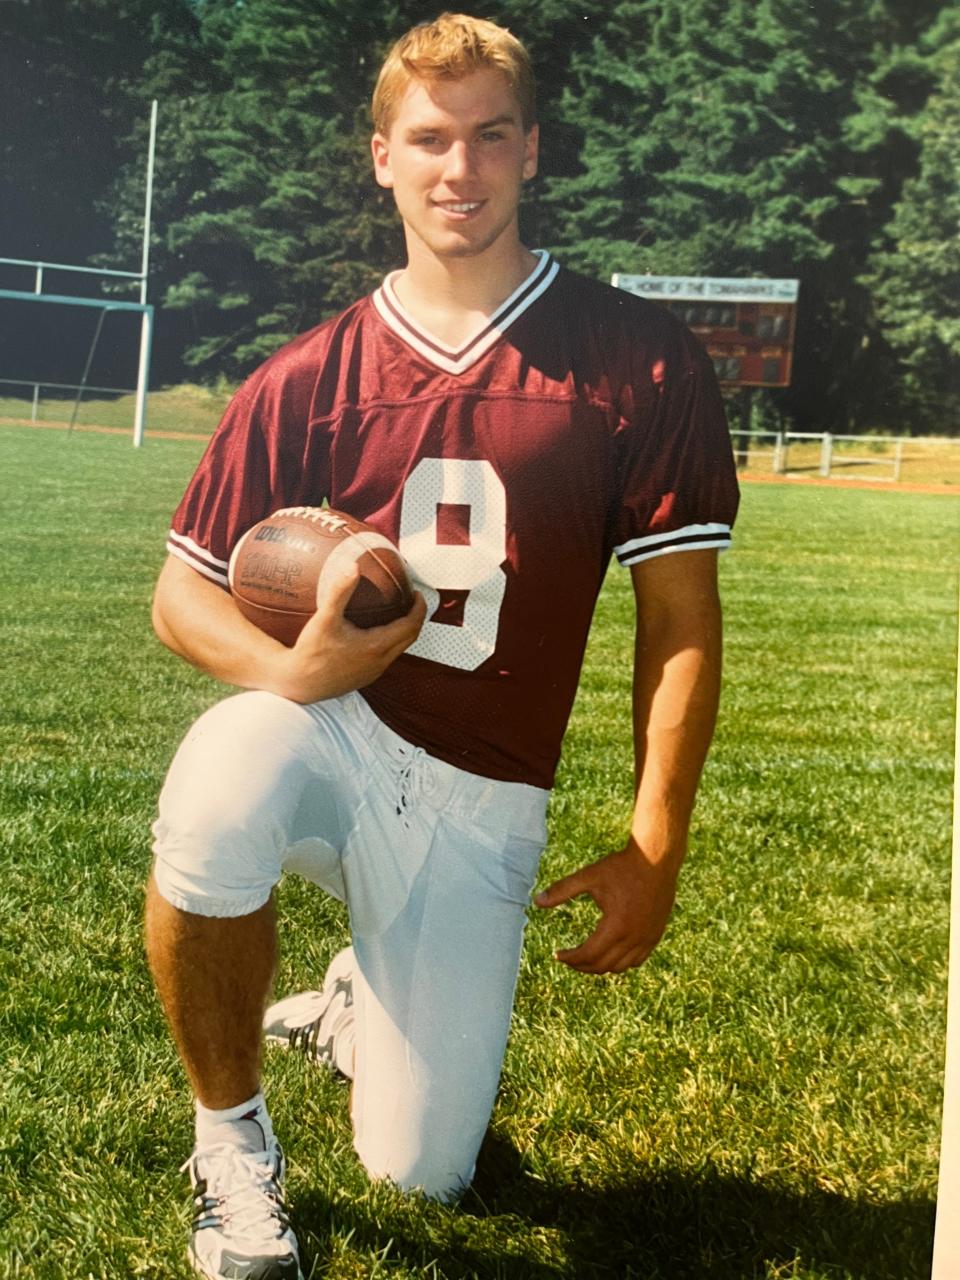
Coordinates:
(415, 778)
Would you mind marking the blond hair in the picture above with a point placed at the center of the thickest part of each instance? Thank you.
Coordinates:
(449, 48)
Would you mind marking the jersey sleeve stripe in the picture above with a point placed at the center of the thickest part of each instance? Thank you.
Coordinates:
(194, 549)
(721, 544)
(688, 531)
(187, 551)
(690, 537)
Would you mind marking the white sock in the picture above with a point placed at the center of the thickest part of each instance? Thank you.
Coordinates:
(247, 1125)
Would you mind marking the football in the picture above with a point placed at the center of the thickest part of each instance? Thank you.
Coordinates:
(276, 567)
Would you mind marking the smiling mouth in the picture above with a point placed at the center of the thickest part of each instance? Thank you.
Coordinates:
(459, 206)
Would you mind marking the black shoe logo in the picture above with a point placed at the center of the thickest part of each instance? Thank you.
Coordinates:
(233, 1268)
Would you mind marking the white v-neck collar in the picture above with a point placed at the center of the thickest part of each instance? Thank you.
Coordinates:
(457, 359)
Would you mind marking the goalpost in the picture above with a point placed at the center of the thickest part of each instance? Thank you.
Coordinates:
(70, 300)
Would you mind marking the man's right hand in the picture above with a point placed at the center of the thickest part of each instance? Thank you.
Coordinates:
(200, 621)
(332, 656)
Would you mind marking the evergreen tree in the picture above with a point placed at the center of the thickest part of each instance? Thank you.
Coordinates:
(715, 142)
(63, 103)
(65, 107)
(915, 276)
(682, 136)
(268, 218)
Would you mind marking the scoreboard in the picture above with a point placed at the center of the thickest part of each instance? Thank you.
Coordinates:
(746, 325)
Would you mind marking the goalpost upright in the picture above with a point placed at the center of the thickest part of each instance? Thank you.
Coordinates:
(146, 324)
(145, 309)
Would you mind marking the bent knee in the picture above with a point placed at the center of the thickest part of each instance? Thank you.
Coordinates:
(218, 876)
(220, 833)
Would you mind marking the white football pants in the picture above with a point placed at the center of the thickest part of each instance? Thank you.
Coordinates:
(435, 866)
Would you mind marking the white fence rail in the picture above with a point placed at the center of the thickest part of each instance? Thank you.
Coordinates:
(796, 452)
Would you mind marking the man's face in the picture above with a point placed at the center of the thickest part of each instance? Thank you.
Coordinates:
(455, 157)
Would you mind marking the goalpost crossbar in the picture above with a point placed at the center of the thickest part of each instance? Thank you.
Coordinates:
(66, 266)
(21, 295)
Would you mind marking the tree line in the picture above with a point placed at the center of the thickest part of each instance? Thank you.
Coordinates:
(814, 139)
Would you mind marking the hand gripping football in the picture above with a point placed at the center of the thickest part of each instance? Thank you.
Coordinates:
(276, 568)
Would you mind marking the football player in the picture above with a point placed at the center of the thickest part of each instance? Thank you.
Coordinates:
(511, 426)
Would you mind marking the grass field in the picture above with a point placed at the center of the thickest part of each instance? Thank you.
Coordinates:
(195, 410)
(189, 408)
(760, 1100)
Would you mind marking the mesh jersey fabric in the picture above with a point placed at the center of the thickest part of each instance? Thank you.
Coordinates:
(580, 422)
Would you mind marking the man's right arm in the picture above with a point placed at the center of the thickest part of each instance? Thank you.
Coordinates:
(200, 622)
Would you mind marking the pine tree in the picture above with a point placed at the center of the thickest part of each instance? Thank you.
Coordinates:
(267, 215)
(684, 136)
(268, 218)
(66, 108)
(748, 139)
(62, 102)
(915, 277)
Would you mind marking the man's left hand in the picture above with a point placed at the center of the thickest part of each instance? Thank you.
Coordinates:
(635, 896)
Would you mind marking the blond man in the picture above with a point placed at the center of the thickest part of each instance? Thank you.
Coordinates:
(511, 426)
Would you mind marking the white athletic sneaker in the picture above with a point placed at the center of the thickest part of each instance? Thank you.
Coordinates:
(320, 1024)
(240, 1227)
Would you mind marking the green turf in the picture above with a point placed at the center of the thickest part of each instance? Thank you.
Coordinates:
(188, 408)
(194, 409)
(761, 1100)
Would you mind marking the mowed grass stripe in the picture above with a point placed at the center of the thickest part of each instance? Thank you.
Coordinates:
(762, 1099)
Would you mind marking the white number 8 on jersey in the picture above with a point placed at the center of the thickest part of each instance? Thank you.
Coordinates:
(474, 566)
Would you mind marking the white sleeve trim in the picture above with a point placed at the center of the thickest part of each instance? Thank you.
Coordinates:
(689, 538)
(194, 548)
(722, 544)
(182, 553)
(688, 531)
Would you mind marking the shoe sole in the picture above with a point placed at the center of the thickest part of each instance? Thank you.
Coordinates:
(216, 1275)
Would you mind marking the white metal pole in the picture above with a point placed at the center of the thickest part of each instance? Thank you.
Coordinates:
(148, 202)
(898, 461)
(146, 324)
(826, 453)
(143, 377)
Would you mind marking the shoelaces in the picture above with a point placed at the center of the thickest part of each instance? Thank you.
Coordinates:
(238, 1188)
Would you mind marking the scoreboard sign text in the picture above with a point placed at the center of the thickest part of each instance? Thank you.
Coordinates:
(747, 326)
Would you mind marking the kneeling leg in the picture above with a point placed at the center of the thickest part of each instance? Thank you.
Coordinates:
(434, 1000)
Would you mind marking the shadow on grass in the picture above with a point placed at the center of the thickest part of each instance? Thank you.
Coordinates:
(670, 1226)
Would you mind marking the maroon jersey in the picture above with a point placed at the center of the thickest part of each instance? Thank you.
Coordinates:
(580, 421)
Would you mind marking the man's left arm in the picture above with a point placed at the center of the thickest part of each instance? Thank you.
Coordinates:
(676, 689)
